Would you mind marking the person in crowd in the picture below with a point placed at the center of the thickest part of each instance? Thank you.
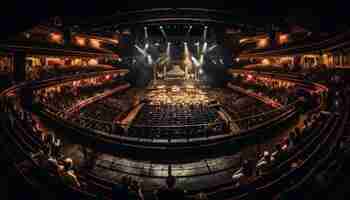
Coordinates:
(279, 153)
(56, 148)
(242, 176)
(170, 192)
(297, 134)
(297, 163)
(201, 196)
(291, 140)
(120, 191)
(264, 163)
(135, 192)
(68, 176)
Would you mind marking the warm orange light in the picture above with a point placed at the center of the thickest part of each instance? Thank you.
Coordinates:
(243, 40)
(56, 37)
(114, 41)
(80, 41)
(263, 42)
(283, 38)
(265, 62)
(95, 43)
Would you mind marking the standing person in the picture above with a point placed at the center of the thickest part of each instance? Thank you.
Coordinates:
(135, 192)
(56, 148)
(120, 191)
(170, 192)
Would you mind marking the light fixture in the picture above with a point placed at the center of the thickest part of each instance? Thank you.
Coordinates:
(56, 37)
(263, 42)
(80, 41)
(95, 43)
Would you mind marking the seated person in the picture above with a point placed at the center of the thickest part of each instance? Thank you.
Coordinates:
(279, 154)
(264, 163)
(201, 196)
(68, 176)
(170, 192)
(245, 166)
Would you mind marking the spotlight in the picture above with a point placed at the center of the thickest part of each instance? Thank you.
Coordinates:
(200, 71)
(205, 27)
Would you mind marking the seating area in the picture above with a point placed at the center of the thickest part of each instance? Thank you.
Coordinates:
(290, 158)
(175, 103)
(48, 72)
(171, 122)
(63, 96)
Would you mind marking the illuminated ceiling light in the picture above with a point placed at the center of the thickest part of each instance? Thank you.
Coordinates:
(195, 61)
(211, 48)
(237, 59)
(149, 59)
(200, 71)
(205, 47)
(143, 52)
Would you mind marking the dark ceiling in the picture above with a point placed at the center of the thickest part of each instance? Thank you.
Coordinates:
(327, 18)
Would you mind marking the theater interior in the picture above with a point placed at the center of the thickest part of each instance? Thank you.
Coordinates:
(175, 103)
